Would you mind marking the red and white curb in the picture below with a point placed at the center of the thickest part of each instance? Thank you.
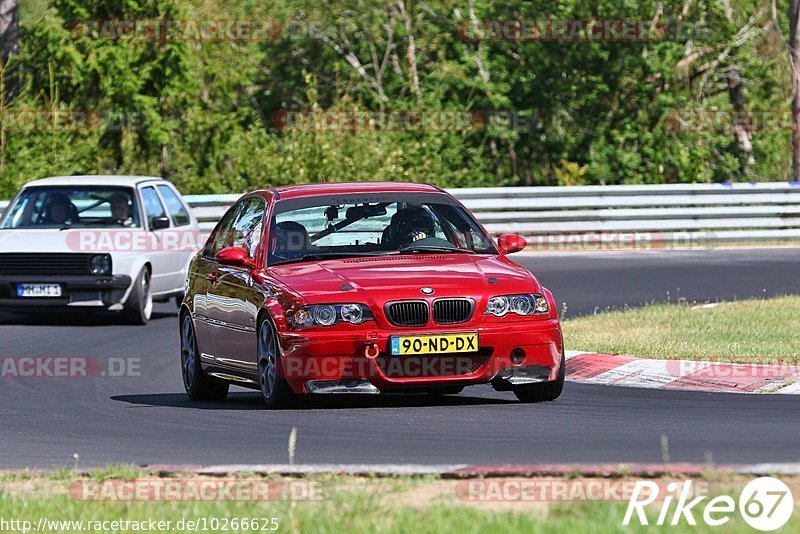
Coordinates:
(615, 370)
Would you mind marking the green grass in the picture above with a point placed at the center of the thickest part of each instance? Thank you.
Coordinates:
(116, 471)
(350, 505)
(753, 331)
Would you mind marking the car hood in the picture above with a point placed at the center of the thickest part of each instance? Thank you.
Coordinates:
(55, 240)
(50, 240)
(380, 279)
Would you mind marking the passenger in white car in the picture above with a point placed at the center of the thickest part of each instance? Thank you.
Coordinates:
(121, 210)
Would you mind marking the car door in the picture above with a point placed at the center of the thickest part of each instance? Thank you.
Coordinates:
(232, 303)
(182, 224)
(206, 275)
(162, 260)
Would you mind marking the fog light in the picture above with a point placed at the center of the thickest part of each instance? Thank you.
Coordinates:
(518, 356)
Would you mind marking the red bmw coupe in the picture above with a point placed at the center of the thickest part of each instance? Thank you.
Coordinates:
(364, 288)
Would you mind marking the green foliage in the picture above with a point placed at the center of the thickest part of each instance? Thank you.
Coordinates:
(207, 113)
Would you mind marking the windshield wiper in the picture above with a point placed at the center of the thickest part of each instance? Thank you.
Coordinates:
(329, 256)
(433, 248)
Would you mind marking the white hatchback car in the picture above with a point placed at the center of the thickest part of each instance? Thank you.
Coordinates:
(114, 243)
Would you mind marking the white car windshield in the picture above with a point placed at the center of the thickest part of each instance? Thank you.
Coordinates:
(73, 207)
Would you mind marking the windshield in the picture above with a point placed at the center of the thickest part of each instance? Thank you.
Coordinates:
(319, 227)
(73, 207)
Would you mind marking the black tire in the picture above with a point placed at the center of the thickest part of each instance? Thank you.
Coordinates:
(199, 386)
(275, 391)
(179, 300)
(548, 391)
(139, 307)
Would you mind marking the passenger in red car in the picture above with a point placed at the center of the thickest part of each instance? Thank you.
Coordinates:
(291, 240)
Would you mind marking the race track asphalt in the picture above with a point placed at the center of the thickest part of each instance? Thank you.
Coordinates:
(147, 419)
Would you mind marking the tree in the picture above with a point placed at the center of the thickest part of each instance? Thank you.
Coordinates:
(9, 44)
(794, 62)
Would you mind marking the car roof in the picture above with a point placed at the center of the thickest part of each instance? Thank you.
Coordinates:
(309, 190)
(95, 179)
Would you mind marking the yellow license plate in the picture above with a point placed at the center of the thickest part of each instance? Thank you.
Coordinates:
(441, 344)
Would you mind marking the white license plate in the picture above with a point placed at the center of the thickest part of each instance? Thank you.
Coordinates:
(38, 290)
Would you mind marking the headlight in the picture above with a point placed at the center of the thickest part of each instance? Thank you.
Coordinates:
(352, 313)
(325, 315)
(330, 314)
(498, 306)
(100, 264)
(534, 304)
(521, 305)
(302, 317)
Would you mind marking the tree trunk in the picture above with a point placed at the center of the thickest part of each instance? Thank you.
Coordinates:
(411, 51)
(741, 131)
(9, 45)
(164, 162)
(794, 53)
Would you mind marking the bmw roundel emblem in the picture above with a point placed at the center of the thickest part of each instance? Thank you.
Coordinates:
(427, 291)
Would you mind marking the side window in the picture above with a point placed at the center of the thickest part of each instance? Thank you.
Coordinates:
(219, 238)
(152, 204)
(176, 208)
(247, 228)
(240, 227)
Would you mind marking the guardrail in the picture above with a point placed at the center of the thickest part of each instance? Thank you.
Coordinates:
(618, 215)
(615, 215)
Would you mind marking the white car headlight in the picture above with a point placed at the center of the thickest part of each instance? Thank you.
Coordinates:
(525, 304)
(100, 264)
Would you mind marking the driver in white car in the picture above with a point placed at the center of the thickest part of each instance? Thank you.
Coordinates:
(59, 209)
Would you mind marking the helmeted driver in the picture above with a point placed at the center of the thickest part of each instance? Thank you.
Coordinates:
(408, 225)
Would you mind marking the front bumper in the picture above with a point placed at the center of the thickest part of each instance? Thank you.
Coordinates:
(77, 292)
(336, 362)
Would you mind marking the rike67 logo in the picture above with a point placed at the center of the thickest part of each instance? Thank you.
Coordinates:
(765, 504)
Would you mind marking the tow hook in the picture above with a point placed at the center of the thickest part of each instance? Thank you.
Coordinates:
(371, 350)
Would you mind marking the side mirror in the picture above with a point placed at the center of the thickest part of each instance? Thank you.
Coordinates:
(235, 257)
(511, 243)
(159, 223)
